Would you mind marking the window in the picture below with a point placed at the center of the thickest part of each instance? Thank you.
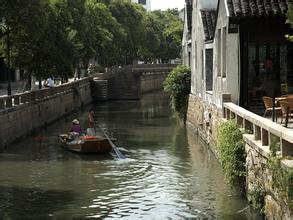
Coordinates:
(219, 53)
(269, 71)
(209, 69)
(224, 54)
(143, 2)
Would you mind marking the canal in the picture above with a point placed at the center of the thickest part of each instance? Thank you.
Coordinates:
(168, 173)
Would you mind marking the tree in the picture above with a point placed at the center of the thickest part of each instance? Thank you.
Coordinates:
(26, 21)
(130, 16)
(53, 37)
(178, 84)
(171, 30)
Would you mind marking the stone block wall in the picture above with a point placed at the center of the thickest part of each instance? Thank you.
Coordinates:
(152, 81)
(124, 86)
(20, 120)
(131, 85)
(260, 183)
(204, 118)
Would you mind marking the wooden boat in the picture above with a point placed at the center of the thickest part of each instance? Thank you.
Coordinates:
(85, 144)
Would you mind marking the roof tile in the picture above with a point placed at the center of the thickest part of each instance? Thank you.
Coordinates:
(208, 17)
(256, 8)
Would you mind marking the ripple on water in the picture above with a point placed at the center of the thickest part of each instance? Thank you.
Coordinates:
(165, 175)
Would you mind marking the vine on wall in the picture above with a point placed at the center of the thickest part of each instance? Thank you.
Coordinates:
(257, 197)
(232, 153)
(281, 180)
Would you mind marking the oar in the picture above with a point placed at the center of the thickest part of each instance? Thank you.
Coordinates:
(118, 153)
(115, 149)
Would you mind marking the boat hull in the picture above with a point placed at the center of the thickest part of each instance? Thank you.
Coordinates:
(99, 145)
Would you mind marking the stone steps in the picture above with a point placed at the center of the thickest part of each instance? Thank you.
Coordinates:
(101, 90)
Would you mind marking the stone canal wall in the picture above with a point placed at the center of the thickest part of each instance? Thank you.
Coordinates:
(127, 85)
(152, 81)
(269, 149)
(204, 118)
(23, 113)
(124, 86)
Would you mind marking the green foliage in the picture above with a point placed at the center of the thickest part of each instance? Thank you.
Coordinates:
(169, 33)
(275, 144)
(58, 36)
(257, 197)
(232, 152)
(290, 13)
(290, 18)
(281, 179)
(178, 85)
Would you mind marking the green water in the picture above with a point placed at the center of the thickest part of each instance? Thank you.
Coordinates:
(168, 173)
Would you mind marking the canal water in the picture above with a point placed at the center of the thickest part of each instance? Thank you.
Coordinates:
(168, 174)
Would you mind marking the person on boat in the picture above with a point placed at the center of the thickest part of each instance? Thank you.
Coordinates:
(76, 127)
(91, 123)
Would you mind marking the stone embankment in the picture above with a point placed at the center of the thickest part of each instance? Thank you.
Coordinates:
(269, 152)
(23, 113)
(130, 82)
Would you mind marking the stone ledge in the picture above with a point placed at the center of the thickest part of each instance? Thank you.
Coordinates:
(263, 150)
(287, 164)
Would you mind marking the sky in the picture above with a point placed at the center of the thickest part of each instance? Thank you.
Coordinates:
(165, 4)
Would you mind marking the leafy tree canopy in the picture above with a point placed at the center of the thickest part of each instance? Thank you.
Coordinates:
(55, 37)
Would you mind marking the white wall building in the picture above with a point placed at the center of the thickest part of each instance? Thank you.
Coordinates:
(186, 39)
(232, 45)
(146, 3)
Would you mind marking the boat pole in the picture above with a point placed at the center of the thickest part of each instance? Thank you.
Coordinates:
(115, 149)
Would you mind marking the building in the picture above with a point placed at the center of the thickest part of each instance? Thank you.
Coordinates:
(186, 39)
(238, 53)
(233, 51)
(146, 3)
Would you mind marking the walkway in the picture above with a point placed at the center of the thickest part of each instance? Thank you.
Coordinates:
(15, 88)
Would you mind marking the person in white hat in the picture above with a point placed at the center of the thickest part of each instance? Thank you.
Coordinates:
(76, 127)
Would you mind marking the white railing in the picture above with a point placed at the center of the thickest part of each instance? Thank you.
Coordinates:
(7, 102)
(262, 129)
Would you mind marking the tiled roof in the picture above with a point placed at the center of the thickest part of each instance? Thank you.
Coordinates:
(208, 17)
(256, 8)
(189, 9)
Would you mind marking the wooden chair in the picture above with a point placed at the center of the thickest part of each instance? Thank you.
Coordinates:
(268, 103)
(289, 99)
(286, 107)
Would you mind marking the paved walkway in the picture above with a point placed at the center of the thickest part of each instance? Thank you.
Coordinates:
(17, 87)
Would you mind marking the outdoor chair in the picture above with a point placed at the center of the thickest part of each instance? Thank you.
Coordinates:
(268, 103)
(286, 107)
(289, 99)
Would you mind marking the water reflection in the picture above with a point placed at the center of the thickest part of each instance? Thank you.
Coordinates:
(32, 203)
(168, 173)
